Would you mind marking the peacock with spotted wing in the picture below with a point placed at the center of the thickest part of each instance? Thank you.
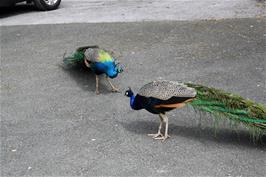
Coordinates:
(159, 97)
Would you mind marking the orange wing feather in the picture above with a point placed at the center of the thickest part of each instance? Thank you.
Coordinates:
(176, 105)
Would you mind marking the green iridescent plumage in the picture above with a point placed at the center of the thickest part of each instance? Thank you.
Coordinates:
(77, 58)
(233, 107)
(74, 59)
(103, 56)
(161, 96)
(98, 60)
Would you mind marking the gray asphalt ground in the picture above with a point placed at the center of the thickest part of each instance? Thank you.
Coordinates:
(53, 124)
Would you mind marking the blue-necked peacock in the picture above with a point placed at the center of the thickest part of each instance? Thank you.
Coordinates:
(98, 60)
(161, 96)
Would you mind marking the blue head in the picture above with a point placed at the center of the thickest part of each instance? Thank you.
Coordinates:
(133, 104)
(129, 93)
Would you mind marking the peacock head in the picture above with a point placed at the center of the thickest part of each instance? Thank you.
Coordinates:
(129, 92)
(118, 68)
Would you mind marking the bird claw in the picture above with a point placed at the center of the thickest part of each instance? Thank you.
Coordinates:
(97, 92)
(159, 136)
(115, 90)
(155, 135)
(163, 138)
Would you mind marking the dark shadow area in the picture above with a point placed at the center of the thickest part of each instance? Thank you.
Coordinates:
(221, 136)
(16, 10)
(85, 79)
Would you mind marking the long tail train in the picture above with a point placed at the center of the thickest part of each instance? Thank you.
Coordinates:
(73, 60)
(233, 107)
(77, 58)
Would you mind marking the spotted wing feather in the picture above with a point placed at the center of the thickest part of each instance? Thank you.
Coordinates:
(164, 90)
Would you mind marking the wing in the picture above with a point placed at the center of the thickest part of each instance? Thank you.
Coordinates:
(98, 55)
(155, 105)
(164, 90)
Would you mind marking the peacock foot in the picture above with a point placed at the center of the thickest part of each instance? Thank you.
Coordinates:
(163, 138)
(115, 90)
(156, 135)
(97, 92)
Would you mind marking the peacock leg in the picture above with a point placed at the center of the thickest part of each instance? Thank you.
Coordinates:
(114, 89)
(163, 138)
(97, 85)
(159, 134)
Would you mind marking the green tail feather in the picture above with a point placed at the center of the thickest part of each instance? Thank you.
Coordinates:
(233, 107)
(74, 60)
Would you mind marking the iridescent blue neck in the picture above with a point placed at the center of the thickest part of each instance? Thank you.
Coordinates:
(111, 69)
(135, 103)
(112, 73)
(132, 98)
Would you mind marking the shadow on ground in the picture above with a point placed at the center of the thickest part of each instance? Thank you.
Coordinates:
(16, 10)
(85, 79)
(221, 136)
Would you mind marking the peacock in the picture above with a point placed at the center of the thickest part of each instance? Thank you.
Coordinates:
(161, 96)
(98, 60)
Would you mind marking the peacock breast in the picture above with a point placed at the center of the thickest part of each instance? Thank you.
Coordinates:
(147, 103)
